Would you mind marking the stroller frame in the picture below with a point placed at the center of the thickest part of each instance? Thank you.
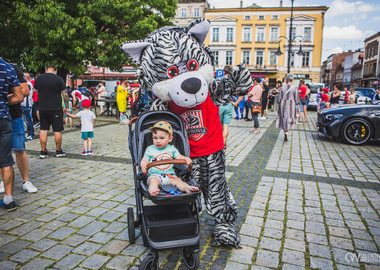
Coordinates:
(173, 221)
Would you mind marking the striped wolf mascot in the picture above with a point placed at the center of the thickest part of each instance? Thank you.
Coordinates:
(178, 69)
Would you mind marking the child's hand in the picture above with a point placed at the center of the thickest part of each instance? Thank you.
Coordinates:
(143, 168)
(143, 164)
(188, 161)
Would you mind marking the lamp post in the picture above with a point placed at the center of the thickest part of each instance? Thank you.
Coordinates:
(290, 40)
(290, 35)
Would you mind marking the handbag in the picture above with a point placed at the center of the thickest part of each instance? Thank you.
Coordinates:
(256, 109)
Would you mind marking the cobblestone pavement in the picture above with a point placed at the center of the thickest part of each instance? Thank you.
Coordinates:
(312, 202)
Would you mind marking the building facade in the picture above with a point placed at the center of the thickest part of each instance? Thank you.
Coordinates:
(252, 35)
(371, 61)
(348, 63)
(189, 10)
(357, 72)
(334, 70)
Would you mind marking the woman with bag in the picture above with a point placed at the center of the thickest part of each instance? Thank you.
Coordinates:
(255, 96)
(288, 100)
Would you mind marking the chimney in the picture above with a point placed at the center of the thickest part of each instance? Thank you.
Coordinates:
(280, 3)
(241, 3)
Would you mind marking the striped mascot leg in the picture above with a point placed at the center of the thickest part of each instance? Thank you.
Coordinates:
(209, 172)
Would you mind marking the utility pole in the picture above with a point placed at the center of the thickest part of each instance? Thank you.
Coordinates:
(290, 36)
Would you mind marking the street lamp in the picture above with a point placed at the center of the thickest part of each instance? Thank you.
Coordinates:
(290, 40)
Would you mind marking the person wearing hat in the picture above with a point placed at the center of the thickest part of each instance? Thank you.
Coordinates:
(162, 133)
(324, 100)
(87, 125)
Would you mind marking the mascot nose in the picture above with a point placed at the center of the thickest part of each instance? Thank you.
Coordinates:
(191, 85)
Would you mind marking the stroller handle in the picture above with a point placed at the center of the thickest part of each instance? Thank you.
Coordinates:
(168, 161)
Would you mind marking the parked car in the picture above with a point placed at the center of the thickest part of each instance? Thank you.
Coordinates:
(354, 124)
(314, 88)
(342, 96)
(369, 92)
(361, 99)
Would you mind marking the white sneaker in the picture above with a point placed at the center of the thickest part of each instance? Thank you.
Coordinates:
(28, 186)
(2, 189)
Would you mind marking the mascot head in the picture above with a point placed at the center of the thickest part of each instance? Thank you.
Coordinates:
(174, 64)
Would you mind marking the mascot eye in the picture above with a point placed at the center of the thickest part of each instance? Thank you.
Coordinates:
(192, 65)
(172, 72)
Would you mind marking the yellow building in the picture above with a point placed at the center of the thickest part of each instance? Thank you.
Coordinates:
(252, 35)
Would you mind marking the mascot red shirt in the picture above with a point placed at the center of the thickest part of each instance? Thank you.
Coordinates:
(203, 127)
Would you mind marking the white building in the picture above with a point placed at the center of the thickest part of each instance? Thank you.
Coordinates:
(189, 10)
(348, 62)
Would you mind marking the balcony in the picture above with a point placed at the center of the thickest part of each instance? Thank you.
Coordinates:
(370, 75)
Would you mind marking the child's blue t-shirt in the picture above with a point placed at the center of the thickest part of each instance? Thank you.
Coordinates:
(153, 153)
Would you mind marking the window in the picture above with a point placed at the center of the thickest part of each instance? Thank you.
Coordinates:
(293, 33)
(216, 57)
(259, 57)
(272, 58)
(228, 57)
(246, 34)
(196, 12)
(307, 34)
(292, 58)
(183, 13)
(246, 57)
(215, 34)
(260, 34)
(230, 34)
(306, 59)
(261, 17)
(274, 34)
(247, 17)
(274, 17)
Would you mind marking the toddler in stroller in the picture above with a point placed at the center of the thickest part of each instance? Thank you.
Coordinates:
(172, 221)
(162, 133)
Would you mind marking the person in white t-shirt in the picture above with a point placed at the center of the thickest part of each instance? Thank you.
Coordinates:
(87, 125)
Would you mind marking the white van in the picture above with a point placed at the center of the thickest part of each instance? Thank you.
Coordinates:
(109, 85)
(314, 88)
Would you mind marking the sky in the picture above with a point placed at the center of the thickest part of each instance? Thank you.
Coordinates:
(347, 22)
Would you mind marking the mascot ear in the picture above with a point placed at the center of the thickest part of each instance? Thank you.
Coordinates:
(134, 49)
(199, 29)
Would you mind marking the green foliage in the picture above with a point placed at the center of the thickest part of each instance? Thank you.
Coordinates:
(69, 33)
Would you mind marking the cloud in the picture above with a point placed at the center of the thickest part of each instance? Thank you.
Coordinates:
(336, 50)
(341, 7)
(376, 19)
(345, 33)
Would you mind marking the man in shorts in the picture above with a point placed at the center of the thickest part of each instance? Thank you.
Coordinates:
(51, 88)
(18, 135)
(10, 94)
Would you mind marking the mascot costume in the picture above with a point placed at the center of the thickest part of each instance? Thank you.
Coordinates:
(178, 70)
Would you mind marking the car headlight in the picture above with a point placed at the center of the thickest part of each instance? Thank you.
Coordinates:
(332, 117)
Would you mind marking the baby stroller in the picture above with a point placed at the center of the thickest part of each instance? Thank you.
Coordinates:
(172, 220)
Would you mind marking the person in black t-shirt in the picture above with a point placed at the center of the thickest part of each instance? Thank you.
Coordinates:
(18, 136)
(51, 88)
(264, 100)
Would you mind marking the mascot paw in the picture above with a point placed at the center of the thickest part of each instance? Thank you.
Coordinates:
(226, 234)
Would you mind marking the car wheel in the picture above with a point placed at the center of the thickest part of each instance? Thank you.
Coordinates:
(356, 131)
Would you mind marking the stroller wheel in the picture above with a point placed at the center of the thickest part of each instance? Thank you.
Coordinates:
(149, 263)
(190, 257)
(131, 226)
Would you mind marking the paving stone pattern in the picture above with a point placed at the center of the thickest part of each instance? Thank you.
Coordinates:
(312, 202)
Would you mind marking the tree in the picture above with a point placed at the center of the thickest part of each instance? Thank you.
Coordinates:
(70, 33)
